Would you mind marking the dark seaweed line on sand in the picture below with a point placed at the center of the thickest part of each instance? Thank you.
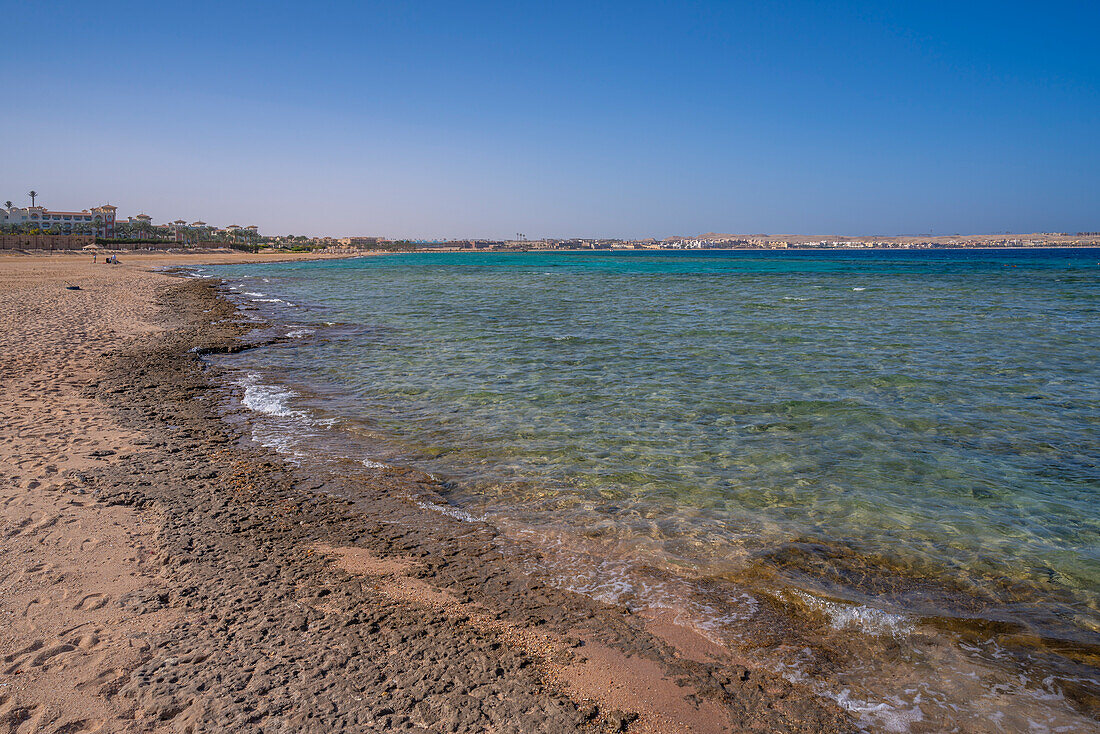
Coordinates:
(253, 650)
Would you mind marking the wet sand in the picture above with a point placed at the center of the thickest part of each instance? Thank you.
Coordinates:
(159, 572)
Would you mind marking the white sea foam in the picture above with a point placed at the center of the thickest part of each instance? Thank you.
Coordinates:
(619, 580)
(285, 425)
(859, 289)
(268, 399)
(254, 294)
(299, 333)
(608, 581)
(374, 464)
(891, 717)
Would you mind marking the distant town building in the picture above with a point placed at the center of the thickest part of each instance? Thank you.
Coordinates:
(360, 241)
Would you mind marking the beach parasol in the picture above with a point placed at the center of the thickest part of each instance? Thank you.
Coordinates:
(91, 247)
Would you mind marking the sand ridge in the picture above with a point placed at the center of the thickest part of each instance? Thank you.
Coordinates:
(598, 673)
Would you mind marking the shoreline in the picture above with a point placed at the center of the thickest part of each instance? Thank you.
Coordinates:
(258, 595)
(845, 632)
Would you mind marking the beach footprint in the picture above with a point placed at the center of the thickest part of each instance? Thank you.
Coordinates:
(80, 726)
(91, 602)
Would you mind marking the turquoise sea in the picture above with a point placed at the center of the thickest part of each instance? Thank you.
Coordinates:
(897, 452)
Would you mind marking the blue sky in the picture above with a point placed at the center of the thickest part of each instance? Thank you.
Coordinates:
(430, 119)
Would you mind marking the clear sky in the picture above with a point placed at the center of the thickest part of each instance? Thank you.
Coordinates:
(447, 119)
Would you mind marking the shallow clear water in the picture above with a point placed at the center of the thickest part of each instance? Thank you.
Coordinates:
(911, 437)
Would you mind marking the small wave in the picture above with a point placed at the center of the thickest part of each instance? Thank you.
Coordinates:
(299, 333)
(859, 289)
(271, 300)
(282, 443)
(374, 464)
(272, 400)
(449, 511)
(793, 298)
(284, 426)
(254, 294)
(572, 564)
(857, 616)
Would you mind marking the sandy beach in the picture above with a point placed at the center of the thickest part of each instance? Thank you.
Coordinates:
(159, 572)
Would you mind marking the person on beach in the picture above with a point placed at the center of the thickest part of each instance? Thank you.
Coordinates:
(93, 258)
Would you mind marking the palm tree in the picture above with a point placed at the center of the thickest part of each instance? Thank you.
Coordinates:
(7, 205)
(32, 193)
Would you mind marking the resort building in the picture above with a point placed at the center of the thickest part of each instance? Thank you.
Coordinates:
(140, 220)
(102, 221)
(99, 221)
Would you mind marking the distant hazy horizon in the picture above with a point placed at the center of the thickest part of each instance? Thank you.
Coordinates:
(616, 120)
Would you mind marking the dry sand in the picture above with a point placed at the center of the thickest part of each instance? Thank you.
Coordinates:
(159, 573)
(64, 558)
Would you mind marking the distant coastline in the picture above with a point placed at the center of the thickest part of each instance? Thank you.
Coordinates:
(733, 242)
(579, 250)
